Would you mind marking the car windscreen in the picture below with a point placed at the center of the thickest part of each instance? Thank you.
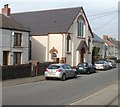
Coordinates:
(100, 62)
(81, 65)
(54, 67)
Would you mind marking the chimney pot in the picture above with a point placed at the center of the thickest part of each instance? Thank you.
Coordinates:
(6, 10)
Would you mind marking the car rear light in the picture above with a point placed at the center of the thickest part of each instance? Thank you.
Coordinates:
(46, 70)
(59, 70)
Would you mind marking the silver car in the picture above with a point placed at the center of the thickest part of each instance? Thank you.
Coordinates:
(61, 71)
(102, 65)
(112, 63)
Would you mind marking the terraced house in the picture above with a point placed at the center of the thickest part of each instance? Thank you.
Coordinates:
(14, 40)
(59, 35)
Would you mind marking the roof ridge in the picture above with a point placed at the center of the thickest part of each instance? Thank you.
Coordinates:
(48, 10)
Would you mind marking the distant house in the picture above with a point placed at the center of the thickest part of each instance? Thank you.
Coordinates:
(110, 48)
(14, 39)
(59, 35)
(98, 51)
(115, 43)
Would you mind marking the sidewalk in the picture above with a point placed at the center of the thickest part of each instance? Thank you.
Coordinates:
(107, 96)
(19, 81)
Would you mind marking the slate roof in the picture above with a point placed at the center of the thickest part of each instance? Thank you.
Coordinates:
(116, 43)
(109, 43)
(48, 21)
(97, 39)
(10, 23)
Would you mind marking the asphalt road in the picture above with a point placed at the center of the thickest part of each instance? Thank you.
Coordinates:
(56, 92)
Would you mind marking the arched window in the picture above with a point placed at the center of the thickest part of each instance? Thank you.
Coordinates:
(81, 23)
(54, 53)
(68, 43)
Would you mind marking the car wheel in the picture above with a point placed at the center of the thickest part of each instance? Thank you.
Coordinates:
(94, 70)
(88, 72)
(63, 78)
(75, 75)
(47, 78)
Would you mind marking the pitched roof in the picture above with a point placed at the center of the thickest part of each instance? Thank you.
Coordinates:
(10, 23)
(116, 43)
(109, 43)
(97, 39)
(49, 21)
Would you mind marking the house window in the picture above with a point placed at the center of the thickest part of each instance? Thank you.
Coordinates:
(17, 39)
(17, 58)
(80, 29)
(68, 43)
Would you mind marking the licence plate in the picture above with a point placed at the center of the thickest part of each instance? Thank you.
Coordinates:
(80, 68)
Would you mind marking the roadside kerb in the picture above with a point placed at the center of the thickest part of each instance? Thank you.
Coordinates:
(102, 97)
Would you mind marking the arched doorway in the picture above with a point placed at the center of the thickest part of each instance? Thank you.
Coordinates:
(82, 52)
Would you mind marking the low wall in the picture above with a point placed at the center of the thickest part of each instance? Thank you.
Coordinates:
(24, 70)
(16, 71)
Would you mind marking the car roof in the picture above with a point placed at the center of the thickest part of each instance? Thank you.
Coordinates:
(85, 63)
(59, 64)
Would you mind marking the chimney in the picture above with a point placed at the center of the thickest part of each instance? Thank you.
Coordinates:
(6, 10)
(105, 37)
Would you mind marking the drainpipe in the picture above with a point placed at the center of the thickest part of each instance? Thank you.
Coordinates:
(11, 48)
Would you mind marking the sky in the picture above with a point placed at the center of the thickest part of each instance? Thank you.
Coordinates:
(102, 14)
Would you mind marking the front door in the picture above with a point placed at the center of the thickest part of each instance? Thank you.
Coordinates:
(82, 55)
(5, 57)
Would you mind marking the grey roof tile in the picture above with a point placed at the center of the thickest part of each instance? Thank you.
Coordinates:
(49, 21)
(97, 39)
(10, 23)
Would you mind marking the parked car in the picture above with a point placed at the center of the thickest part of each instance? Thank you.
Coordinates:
(112, 63)
(61, 71)
(85, 68)
(102, 65)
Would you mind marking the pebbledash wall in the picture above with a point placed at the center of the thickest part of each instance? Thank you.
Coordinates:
(7, 38)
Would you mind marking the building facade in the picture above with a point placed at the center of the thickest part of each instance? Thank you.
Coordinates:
(62, 35)
(14, 46)
(98, 48)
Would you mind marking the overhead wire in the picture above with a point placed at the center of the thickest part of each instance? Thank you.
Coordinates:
(108, 22)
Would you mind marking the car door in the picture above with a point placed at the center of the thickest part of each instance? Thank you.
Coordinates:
(66, 71)
(70, 70)
(91, 67)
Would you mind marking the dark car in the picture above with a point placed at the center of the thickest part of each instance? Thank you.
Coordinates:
(85, 68)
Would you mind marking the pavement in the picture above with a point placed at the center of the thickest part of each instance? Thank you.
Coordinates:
(19, 81)
(107, 96)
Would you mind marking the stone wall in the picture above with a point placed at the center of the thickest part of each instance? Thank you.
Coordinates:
(24, 70)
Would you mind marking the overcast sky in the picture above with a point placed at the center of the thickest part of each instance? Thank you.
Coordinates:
(102, 14)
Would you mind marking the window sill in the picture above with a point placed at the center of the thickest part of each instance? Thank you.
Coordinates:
(89, 52)
(80, 37)
(68, 52)
(17, 47)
